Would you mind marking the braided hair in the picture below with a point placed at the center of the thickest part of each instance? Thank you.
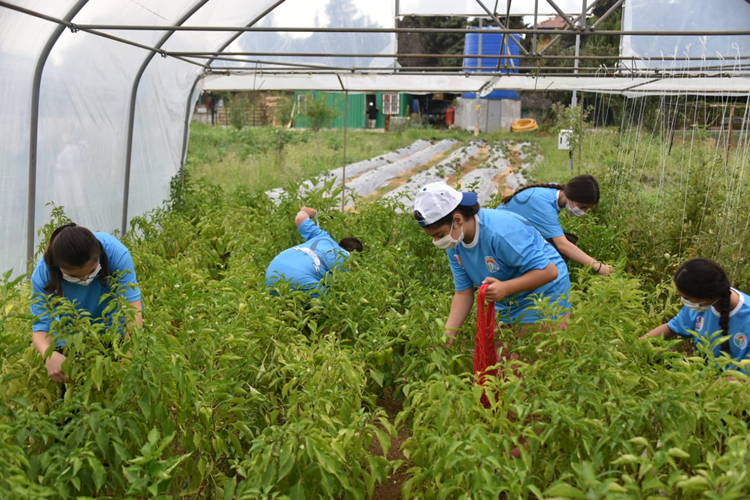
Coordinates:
(580, 189)
(73, 246)
(705, 279)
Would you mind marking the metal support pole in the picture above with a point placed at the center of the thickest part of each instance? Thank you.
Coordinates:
(501, 26)
(131, 113)
(560, 35)
(581, 24)
(476, 98)
(561, 13)
(34, 132)
(536, 13)
(346, 126)
(580, 134)
(607, 14)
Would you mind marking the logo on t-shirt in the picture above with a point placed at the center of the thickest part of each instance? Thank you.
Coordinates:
(458, 259)
(699, 324)
(740, 340)
(492, 265)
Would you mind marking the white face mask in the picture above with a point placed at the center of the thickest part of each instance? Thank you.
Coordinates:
(447, 242)
(575, 211)
(87, 281)
(695, 306)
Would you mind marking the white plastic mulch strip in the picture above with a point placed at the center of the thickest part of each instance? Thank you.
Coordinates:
(517, 179)
(405, 194)
(482, 180)
(372, 180)
(355, 169)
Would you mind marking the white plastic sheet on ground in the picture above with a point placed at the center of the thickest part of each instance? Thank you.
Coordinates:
(371, 181)
(405, 194)
(686, 15)
(355, 169)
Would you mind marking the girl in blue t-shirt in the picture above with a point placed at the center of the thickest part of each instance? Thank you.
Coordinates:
(77, 265)
(490, 246)
(710, 307)
(541, 205)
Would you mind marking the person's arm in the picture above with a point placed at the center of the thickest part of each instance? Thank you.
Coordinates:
(575, 253)
(463, 301)
(304, 214)
(42, 342)
(531, 280)
(138, 305)
(660, 331)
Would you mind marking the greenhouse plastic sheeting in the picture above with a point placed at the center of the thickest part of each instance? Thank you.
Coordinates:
(20, 46)
(323, 14)
(686, 15)
(89, 81)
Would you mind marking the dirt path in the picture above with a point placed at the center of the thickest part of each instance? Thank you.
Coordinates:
(390, 489)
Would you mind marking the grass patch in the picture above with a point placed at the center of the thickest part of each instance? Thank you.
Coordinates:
(265, 158)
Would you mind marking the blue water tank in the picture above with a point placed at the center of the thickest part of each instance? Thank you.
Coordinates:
(492, 44)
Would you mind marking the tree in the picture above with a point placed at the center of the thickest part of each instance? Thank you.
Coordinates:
(319, 114)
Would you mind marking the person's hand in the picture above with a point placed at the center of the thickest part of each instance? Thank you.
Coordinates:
(311, 212)
(451, 338)
(603, 269)
(54, 367)
(496, 291)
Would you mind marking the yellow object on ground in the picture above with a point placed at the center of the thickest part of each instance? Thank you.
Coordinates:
(524, 125)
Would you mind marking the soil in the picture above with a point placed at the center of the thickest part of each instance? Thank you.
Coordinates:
(390, 489)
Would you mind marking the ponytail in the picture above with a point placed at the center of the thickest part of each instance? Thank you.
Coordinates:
(507, 199)
(73, 246)
(705, 279)
(724, 303)
(580, 189)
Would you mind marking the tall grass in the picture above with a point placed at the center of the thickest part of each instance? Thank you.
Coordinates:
(265, 158)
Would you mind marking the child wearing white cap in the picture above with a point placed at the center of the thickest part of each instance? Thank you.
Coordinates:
(490, 246)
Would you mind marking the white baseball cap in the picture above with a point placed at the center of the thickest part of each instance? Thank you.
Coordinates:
(436, 200)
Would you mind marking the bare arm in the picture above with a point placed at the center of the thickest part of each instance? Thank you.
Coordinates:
(532, 280)
(304, 213)
(138, 305)
(461, 305)
(571, 251)
(659, 331)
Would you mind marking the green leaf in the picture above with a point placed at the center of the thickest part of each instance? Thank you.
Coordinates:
(98, 372)
(286, 460)
(564, 490)
(229, 486)
(98, 470)
(678, 453)
(377, 376)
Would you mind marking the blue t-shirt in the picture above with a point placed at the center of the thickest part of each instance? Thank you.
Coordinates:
(539, 206)
(505, 247)
(705, 324)
(86, 297)
(306, 264)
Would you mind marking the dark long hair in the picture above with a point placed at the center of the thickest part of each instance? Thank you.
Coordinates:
(580, 189)
(705, 279)
(73, 246)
